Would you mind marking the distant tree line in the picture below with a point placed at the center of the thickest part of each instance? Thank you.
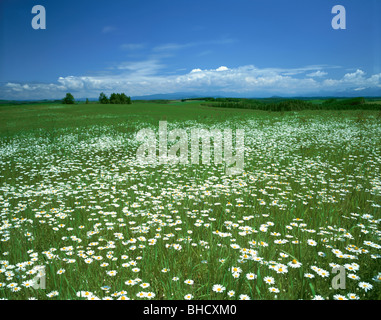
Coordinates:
(292, 104)
(115, 98)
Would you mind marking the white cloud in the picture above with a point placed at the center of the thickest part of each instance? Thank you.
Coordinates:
(355, 80)
(36, 87)
(355, 76)
(147, 77)
(72, 83)
(222, 68)
(317, 74)
(141, 68)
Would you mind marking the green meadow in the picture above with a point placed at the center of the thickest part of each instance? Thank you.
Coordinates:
(80, 218)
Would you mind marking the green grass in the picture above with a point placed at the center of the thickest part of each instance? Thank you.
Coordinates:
(71, 190)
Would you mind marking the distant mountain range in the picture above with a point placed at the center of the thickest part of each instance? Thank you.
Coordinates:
(366, 93)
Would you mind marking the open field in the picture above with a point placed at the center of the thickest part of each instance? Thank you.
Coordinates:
(74, 200)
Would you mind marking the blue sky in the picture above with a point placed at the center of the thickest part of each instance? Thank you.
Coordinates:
(249, 48)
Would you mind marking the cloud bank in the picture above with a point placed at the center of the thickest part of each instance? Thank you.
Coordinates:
(149, 77)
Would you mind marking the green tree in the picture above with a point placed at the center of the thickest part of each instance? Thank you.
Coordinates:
(119, 98)
(103, 98)
(124, 99)
(115, 98)
(69, 99)
(87, 101)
